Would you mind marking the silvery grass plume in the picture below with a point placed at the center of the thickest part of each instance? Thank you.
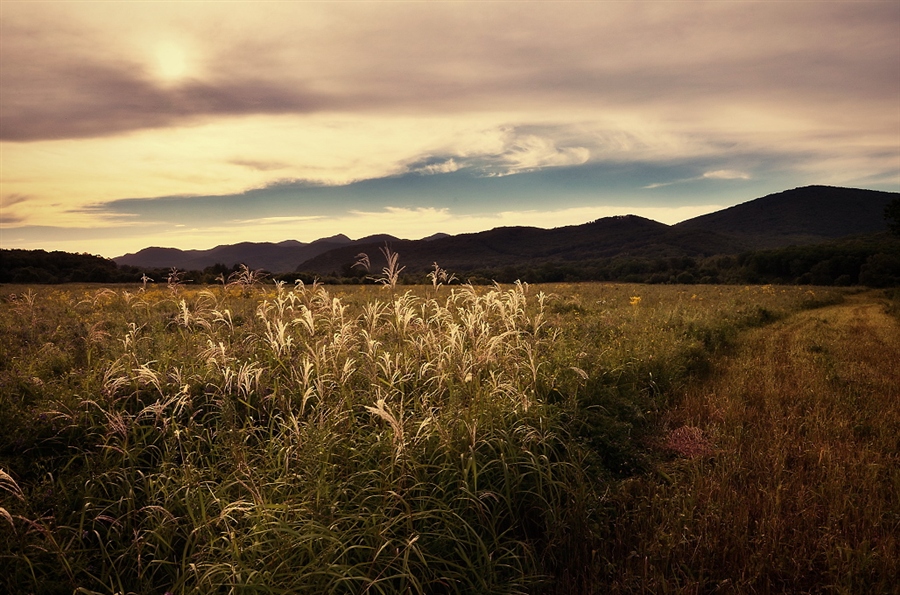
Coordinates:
(336, 431)
(245, 278)
(144, 280)
(175, 280)
(390, 274)
(440, 277)
(8, 484)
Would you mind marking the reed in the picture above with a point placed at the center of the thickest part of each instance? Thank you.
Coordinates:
(498, 439)
(296, 446)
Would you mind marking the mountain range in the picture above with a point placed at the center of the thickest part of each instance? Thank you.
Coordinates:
(801, 216)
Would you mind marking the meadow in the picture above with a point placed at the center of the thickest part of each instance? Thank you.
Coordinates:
(565, 438)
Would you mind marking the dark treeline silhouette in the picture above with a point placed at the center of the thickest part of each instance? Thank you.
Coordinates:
(39, 266)
(872, 260)
(892, 215)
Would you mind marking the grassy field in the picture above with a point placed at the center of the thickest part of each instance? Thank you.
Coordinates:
(584, 438)
(787, 477)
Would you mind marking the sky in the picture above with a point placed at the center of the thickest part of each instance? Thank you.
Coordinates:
(188, 124)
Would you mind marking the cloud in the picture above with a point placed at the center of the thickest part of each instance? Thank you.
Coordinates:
(8, 216)
(725, 174)
(75, 71)
(719, 174)
(277, 220)
(82, 101)
(530, 152)
(14, 198)
(506, 150)
(7, 219)
(259, 165)
(434, 165)
(408, 215)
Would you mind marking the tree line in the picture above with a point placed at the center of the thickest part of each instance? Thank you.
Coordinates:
(872, 261)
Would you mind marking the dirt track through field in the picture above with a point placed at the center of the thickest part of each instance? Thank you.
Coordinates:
(802, 490)
(846, 354)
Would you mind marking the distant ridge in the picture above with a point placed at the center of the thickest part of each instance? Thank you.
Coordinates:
(283, 256)
(799, 216)
(503, 246)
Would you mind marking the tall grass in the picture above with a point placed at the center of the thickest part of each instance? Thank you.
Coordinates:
(287, 440)
(299, 448)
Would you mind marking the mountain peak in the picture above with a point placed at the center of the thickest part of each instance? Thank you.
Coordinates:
(335, 239)
(799, 216)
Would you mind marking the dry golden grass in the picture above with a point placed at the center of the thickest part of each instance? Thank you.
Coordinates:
(803, 493)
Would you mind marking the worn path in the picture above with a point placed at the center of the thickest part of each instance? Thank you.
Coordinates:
(788, 479)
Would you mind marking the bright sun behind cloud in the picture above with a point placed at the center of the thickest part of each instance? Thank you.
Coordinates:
(171, 61)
